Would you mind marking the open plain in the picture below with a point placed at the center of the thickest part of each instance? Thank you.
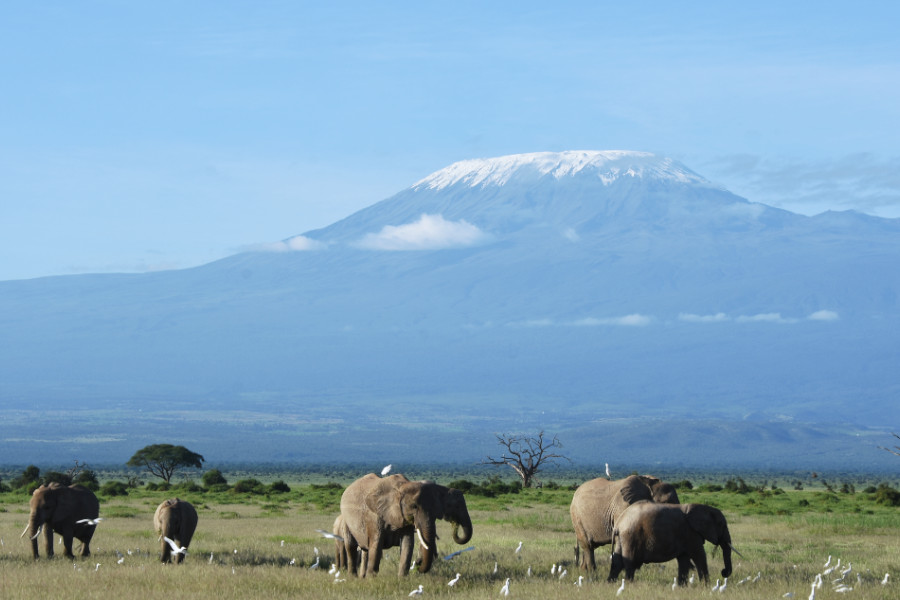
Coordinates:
(263, 546)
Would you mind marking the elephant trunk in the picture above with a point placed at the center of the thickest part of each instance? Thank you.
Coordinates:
(466, 524)
(35, 524)
(726, 556)
(425, 531)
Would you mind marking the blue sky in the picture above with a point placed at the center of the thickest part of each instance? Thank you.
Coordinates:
(144, 136)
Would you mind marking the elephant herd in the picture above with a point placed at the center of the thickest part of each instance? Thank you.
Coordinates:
(639, 515)
(73, 513)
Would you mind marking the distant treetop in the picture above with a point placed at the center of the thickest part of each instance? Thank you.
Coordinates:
(164, 460)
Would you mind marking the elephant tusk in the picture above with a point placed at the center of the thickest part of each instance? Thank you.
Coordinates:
(24, 531)
(37, 533)
(733, 549)
(422, 541)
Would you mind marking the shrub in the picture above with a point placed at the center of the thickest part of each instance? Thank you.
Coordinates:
(279, 487)
(684, 484)
(249, 486)
(887, 495)
(187, 486)
(213, 477)
(114, 488)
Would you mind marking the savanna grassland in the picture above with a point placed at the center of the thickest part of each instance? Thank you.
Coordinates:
(262, 544)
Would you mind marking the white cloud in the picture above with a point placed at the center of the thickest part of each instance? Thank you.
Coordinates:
(298, 243)
(691, 318)
(764, 318)
(823, 315)
(633, 320)
(430, 232)
(571, 235)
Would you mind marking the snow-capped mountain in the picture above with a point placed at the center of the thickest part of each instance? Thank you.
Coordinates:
(619, 288)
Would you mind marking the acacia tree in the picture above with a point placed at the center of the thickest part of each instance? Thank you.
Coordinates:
(526, 455)
(163, 460)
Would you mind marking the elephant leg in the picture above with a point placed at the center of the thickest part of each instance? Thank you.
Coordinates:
(630, 567)
(699, 559)
(406, 551)
(352, 552)
(165, 552)
(615, 567)
(48, 540)
(684, 568)
(67, 544)
(374, 559)
(590, 560)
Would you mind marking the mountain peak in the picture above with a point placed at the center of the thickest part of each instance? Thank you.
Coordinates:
(608, 166)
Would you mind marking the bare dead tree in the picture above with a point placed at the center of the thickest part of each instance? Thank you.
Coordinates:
(896, 449)
(526, 455)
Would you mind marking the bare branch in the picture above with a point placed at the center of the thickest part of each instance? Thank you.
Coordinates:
(896, 449)
(525, 455)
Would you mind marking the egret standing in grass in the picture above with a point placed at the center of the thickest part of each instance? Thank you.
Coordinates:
(519, 548)
(453, 581)
(417, 592)
(621, 588)
(504, 591)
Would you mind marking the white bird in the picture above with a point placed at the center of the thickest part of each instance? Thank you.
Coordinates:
(827, 562)
(675, 584)
(176, 549)
(723, 586)
(519, 548)
(210, 557)
(458, 552)
(831, 569)
(818, 581)
(453, 581)
(608, 476)
(385, 471)
(315, 565)
(282, 543)
(812, 592)
(553, 569)
(332, 569)
(417, 592)
(529, 570)
(495, 567)
(504, 591)
(788, 595)
(716, 587)
(97, 568)
(315, 551)
(885, 580)
(328, 535)
(755, 579)
(621, 588)
(691, 580)
(293, 561)
(563, 573)
(580, 581)
(121, 560)
(842, 589)
(337, 574)
(90, 521)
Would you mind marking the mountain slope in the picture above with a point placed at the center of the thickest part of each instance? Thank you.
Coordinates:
(608, 285)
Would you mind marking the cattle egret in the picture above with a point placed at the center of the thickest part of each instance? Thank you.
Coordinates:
(691, 580)
(176, 549)
(580, 581)
(282, 543)
(328, 535)
(827, 562)
(495, 567)
(788, 595)
(93, 522)
(885, 580)
(674, 584)
(419, 591)
(97, 568)
(812, 592)
(529, 571)
(553, 569)
(818, 581)
(608, 476)
(716, 587)
(210, 557)
(453, 581)
(519, 548)
(621, 588)
(385, 471)
(755, 579)
(563, 573)
(842, 589)
(315, 565)
(332, 569)
(315, 551)
(723, 586)
(504, 591)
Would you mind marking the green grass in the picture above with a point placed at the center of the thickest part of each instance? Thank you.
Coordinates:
(786, 537)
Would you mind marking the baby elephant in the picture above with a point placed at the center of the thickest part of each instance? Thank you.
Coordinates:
(648, 532)
(175, 521)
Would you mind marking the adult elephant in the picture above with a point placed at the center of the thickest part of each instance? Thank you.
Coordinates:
(71, 511)
(175, 519)
(654, 533)
(382, 512)
(597, 504)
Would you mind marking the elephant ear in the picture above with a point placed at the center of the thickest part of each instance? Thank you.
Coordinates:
(385, 502)
(634, 489)
(432, 499)
(705, 520)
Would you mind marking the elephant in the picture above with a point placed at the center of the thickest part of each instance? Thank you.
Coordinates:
(175, 519)
(382, 512)
(648, 532)
(71, 511)
(597, 504)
